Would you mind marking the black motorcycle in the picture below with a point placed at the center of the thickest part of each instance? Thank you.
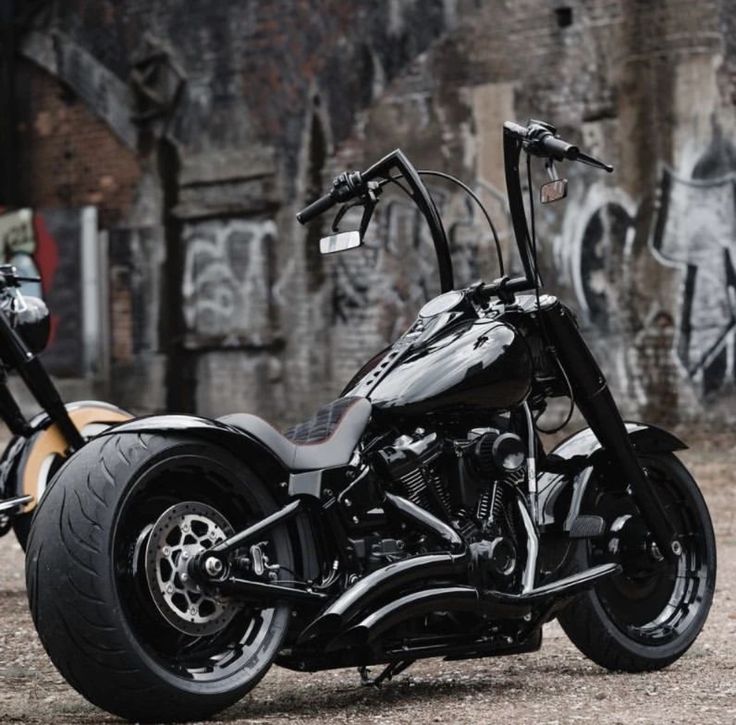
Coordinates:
(38, 446)
(175, 558)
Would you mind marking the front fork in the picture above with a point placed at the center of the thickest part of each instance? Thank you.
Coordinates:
(597, 405)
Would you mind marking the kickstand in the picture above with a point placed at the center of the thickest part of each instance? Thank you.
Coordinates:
(390, 671)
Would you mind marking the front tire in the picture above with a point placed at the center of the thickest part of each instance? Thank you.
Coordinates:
(116, 639)
(638, 621)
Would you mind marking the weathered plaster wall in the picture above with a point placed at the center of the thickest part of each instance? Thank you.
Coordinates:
(646, 255)
(235, 114)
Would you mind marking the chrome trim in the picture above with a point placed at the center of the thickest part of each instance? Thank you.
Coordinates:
(531, 463)
(529, 575)
(13, 503)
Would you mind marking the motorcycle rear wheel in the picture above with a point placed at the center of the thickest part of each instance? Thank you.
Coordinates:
(126, 646)
(638, 621)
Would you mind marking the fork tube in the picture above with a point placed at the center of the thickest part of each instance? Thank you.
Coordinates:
(34, 375)
(594, 399)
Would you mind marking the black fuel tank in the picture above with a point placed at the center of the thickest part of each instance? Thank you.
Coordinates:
(473, 365)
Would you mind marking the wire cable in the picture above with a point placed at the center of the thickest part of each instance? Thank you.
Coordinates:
(469, 191)
(474, 196)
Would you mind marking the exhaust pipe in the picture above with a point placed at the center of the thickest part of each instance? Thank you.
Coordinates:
(425, 601)
(460, 598)
(380, 583)
(396, 575)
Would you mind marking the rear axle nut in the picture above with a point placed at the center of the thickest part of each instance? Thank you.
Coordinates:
(213, 566)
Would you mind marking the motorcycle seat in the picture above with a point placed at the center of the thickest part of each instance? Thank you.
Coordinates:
(325, 440)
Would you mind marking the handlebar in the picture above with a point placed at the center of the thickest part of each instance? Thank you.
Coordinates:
(541, 139)
(345, 187)
(316, 208)
(9, 277)
(536, 138)
(365, 187)
(559, 149)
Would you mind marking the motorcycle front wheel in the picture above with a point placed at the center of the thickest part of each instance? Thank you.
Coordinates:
(108, 582)
(647, 616)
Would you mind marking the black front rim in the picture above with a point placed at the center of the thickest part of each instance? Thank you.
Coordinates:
(656, 602)
(238, 646)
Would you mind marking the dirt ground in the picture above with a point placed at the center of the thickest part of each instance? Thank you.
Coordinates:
(554, 685)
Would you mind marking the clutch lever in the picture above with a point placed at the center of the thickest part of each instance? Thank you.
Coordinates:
(368, 201)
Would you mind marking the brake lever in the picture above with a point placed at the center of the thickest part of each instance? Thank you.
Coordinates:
(341, 213)
(592, 161)
(549, 165)
(368, 201)
(365, 220)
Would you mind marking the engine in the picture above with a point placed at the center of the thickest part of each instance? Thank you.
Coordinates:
(467, 482)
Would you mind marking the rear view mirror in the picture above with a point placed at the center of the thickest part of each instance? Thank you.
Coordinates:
(340, 242)
(553, 191)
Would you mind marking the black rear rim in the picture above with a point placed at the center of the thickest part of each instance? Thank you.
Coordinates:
(656, 602)
(239, 646)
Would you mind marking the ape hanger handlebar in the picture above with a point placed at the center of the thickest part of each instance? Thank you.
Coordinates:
(537, 138)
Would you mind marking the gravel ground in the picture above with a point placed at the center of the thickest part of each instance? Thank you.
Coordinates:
(554, 685)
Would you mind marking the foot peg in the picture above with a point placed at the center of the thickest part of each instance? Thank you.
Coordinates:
(587, 527)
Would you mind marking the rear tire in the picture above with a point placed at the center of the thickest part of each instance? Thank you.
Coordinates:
(635, 623)
(90, 598)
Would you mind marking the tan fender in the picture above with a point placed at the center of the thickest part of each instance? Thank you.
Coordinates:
(45, 444)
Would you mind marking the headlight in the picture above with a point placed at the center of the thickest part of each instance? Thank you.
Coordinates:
(31, 320)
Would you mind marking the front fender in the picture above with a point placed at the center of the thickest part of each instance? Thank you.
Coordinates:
(561, 494)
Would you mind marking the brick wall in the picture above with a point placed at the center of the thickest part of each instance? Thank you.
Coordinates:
(279, 96)
(69, 156)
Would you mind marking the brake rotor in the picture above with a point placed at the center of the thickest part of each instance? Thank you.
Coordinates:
(179, 534)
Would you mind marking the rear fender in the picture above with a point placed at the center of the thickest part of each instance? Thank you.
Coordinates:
(561, 494)
(247, 448)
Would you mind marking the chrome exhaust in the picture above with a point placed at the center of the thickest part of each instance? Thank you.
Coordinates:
(379, 583)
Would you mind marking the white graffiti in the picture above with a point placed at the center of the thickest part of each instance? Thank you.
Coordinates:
(386, 282)
(593, 247)
(697, 234)
(226, 285)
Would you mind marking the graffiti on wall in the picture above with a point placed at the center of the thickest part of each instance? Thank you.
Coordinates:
(692, 335)
(227, 283)
(593, 252)
(696, 232)
(396, 271)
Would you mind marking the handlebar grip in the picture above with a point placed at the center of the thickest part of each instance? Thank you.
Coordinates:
(316, 208)
(559, 149)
